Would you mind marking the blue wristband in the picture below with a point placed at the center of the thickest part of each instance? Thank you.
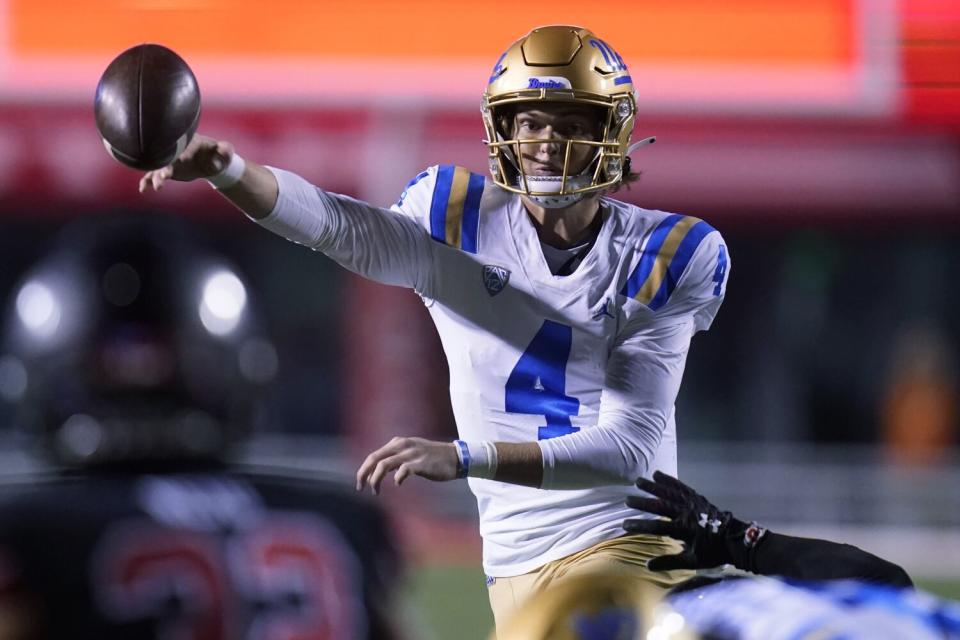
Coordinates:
(463, 458)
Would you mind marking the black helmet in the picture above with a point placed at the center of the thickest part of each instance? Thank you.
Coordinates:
(129, 341)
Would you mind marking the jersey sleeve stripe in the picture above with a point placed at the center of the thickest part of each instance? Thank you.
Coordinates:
(438, 205)
(679, 261)
(661, 263)
(455, 208)
(665, 257)
(471, 212)
(649, 256)
(458, 195)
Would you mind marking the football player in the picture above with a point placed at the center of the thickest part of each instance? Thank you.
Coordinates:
(565, 315)
(763, 608)
(144, 362)
(606, 606)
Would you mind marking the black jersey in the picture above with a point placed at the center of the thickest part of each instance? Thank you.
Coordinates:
(197, 556)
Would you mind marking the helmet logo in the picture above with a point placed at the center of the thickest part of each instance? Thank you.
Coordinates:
(611, 57)
(498, 68)
(548, 82)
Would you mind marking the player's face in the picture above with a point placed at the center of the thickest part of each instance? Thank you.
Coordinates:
(554, 124)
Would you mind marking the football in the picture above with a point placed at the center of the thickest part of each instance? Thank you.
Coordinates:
(147, 106)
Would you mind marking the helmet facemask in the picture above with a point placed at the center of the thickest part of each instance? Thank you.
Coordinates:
(602, 170)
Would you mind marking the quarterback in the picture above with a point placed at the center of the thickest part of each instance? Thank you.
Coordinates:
(565, 315)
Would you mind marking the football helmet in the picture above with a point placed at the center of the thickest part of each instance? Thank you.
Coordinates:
(136, 344)
(596, 605)
(560, 64)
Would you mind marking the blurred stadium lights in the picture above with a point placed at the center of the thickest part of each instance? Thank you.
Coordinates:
(224, 298)
(38, 309)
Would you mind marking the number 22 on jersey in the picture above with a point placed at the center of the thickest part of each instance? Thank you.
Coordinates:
(537, 384)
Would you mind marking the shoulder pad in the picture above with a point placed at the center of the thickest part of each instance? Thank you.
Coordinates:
(664, 258)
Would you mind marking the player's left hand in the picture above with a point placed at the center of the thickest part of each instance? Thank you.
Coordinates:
(428, 459)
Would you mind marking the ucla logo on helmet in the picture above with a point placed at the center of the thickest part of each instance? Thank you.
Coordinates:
(611, 57)
(498, 68)
(495, 278)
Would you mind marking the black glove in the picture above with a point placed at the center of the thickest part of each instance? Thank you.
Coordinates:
(710, 537)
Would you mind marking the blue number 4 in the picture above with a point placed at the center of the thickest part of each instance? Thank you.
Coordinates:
(721, 270)
(537, 384)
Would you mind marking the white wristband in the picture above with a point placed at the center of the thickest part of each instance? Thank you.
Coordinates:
(230, 174)
(483, 460)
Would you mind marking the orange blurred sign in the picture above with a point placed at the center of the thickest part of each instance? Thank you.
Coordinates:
(754, 56)
(704, 31)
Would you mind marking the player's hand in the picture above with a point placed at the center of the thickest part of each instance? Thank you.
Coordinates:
(710, 537)
(203, 157)
(408, 457)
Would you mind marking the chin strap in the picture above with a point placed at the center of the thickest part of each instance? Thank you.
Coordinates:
(640, 143)
(550, 185)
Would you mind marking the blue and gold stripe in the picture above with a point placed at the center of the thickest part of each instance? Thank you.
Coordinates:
(455, 207)
(664, 259)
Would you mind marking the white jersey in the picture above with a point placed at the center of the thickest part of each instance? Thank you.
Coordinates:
(769, 609)
(588, 364)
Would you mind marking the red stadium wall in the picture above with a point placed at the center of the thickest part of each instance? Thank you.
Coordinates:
(769, 169)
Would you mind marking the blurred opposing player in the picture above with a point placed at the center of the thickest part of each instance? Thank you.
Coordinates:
(141, 353)
(760, 608)
(604, 606)
(565, 315)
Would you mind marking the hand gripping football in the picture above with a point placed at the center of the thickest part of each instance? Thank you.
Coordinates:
(147, 106)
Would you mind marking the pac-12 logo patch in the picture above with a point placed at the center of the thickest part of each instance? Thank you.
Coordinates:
(495, 278)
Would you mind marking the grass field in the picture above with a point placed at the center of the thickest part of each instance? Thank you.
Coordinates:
(943, 588)
(450, 601)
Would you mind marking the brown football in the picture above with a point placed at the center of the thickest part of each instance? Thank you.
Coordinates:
(147, 106)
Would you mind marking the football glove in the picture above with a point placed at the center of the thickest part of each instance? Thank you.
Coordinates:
(710, 537)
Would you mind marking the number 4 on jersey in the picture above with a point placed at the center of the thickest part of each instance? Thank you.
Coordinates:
(537, 384)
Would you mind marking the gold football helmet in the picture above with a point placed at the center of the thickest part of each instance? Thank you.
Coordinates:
(560, 64)
(592, 606)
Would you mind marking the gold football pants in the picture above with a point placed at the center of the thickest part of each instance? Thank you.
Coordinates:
(626, 555)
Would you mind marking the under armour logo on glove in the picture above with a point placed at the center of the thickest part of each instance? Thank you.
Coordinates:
(705, 520)
(753, 534)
